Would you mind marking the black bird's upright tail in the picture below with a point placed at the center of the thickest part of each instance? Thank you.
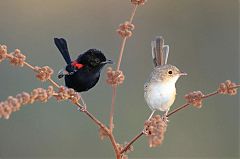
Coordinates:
(62, 47)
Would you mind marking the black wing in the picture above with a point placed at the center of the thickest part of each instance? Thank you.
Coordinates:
(62, 47)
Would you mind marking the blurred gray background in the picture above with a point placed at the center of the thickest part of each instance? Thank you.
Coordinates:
(203, 39)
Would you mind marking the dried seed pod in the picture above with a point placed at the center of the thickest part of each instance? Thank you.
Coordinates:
(155, 129)
(195, 98)
(227, 88)
(43, 73)
(125, 29)
(114, 78)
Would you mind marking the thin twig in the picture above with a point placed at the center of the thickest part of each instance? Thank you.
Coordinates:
(210, 94)
(114, 144)
(114, 90)
(53, 83)
(177, 109)
(121, 52)
(50, 80)
(28, 65)
(133, 13)
(131, 142)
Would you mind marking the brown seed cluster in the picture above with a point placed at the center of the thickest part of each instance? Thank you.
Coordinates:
(195, 98)
(43, 73)
(3, 52)
(13, 104)
(17, 58)
(138, 2)
(227, 88)
(65, 93)
(114, 78)
(155, 129)
(125, 29)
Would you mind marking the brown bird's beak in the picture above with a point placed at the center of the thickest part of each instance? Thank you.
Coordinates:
(183, 74)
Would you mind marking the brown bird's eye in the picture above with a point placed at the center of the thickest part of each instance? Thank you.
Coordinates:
(170, 72)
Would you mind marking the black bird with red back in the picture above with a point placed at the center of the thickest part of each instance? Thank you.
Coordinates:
(83, 73)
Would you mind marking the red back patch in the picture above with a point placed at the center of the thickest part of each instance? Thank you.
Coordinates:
(77, 65)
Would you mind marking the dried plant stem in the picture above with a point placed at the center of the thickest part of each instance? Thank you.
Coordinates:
(28, 65)
(114, 90)
(114, 144)
(177, 109)
(210, 94)
(121, 52)
(133, 13)
(96, 120)
(33, 68)
(53, 83)
(205, 96)
(171, 113)
(132, 141)
(125, 38)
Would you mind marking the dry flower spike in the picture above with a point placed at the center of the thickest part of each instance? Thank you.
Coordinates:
(65, 93)
(195, 98)
(125, 29)
(227, 88)
(17, 58)
(114, 78)
(43, 73)
(13, 104)
(155, 129)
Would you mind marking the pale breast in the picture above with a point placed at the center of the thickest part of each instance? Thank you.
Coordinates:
(160, 96)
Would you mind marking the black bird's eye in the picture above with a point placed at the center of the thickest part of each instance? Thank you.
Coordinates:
(170, 72)
(97, 60)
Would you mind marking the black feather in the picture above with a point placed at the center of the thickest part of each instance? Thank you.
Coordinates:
(62, 47)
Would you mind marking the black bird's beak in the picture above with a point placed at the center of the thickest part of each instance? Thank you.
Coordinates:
(62, 73)
(107, 62)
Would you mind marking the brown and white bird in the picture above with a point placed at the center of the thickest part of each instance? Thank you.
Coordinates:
(160, 90)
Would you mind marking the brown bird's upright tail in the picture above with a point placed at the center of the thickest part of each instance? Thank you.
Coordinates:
(159, 51)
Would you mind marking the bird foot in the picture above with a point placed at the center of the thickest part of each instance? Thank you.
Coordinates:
(165, 118)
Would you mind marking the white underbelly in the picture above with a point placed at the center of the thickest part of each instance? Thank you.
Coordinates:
(160, 97)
